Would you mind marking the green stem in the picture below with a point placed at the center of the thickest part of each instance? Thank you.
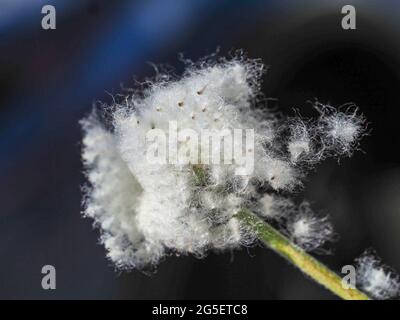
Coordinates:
(306, 263)
(287, 249)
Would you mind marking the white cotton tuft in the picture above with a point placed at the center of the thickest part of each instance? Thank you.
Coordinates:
(298, 148)
(147, 210)
(112, 199)
(308, 230)
(340, 131)
(377, 279)
(299, 145)
(275, 207)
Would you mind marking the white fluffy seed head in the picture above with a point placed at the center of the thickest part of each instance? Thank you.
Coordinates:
(375, 278)
(147, 210)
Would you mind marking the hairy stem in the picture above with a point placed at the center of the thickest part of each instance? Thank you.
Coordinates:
(297, 256)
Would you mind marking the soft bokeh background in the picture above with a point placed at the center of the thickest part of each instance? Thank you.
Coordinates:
(50, 79)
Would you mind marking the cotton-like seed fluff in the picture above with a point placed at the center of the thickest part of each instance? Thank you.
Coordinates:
(146, 211)
(375, 278)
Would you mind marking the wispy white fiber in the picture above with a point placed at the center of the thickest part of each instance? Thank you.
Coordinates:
(300, 142)
(112, 198)
(275, 207)
(375, 278)
(340, 129)
(308, 230)
(146, 211)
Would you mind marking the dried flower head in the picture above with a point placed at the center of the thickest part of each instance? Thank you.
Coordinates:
(147, 210)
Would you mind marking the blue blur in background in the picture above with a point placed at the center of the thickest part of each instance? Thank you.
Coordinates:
(49, 79)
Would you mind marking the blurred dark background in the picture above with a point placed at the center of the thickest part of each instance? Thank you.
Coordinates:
(49, 79)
